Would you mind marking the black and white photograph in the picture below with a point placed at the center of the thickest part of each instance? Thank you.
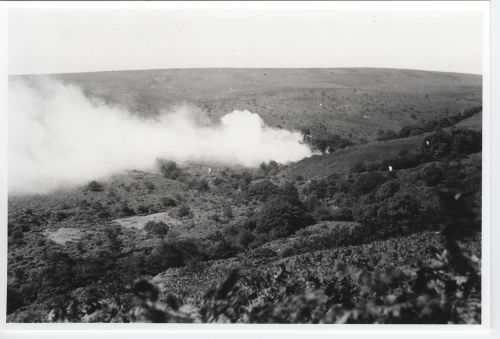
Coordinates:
(229, 163)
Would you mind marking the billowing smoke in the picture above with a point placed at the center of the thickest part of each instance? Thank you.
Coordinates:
(59, 137)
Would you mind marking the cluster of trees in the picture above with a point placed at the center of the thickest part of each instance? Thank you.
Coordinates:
(428, 126)
(326, 142)
(439, 146)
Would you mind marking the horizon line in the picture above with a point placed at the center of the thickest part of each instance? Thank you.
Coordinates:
(235, 68)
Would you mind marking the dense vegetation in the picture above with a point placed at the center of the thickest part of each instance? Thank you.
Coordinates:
(391, 240)
(428, 126)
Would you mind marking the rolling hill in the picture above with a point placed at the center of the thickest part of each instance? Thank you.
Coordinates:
(354, 102)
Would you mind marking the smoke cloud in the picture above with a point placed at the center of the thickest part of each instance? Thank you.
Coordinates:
(59, 137)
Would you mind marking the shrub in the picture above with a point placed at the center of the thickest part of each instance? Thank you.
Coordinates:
(386, 190)
(95, 186)
(322, 214)
(342, 214)
(17, 234)
(227, 212)
(431, 174)
(244, 237)
(149, 185)
(262, 190)
(317, 188)
(386, 135)
(142, 209)
(359, 167)
(184, 211)
(169, 169)
(174, 253)
(437, 145)
(199, 184)
(329, 143)
(103, 214)
(271, 168)
(311, 203)
(367, 182)
(158, 228)
(126, 210)
(465, 142)
(398, 215)
(58, 275)
(281, 217)
(14, 299)
(114, 243)
(168, 202)
(263, 252)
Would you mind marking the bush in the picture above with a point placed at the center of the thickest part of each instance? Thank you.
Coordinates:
(263, 190)
(184, 211)
(58, 275)
(199, 184)
(169, 169)
(311, 203)
(322, 214)
(143, 209)
(386, 135)
(342, 214)
(271, 168)
(466, 142)
(437, 145)
(329, 142)
(149, 185)
(458, 143)
(386, 190)
(175, 253)
(316, 188)
(14, 299)
(359, 167)
(126, 210)
(158, 228)
(431, 174)
(168, 202)
(244, 237)
(17, 235)
(227, 212)
(95, 186)
(281, 217)
(367, 183)
(398, 215)
(263, 252)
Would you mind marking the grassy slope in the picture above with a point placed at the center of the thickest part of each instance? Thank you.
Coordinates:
(339, 162)
(352, 102)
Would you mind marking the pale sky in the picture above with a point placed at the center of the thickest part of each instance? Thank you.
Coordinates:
(81, 40)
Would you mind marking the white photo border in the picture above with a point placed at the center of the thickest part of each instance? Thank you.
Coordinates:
(491, 189)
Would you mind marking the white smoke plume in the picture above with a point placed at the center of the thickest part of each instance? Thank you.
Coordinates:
(59, 137)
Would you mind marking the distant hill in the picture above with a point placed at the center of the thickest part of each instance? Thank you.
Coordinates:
(352, 102)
